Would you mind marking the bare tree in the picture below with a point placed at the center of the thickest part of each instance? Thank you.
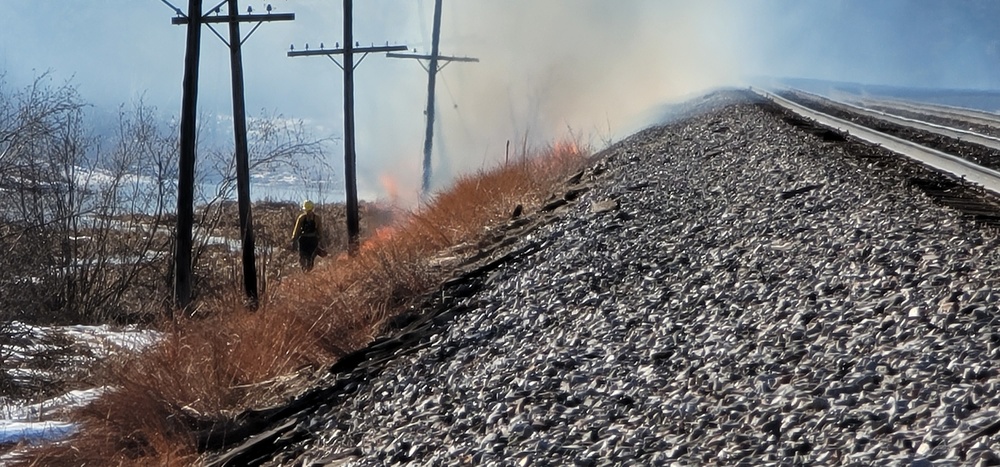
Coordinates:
(80, 223)
(116, 206)
(84, 222)
(34, 122)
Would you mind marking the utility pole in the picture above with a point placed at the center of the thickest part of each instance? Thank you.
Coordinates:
(188, 154)
(350, 156)
(242, 156)
(185, 197)
(432, 68)
(350, 169)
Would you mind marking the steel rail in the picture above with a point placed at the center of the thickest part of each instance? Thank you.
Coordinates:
(941, 161)
(980, 117)
(942, 130)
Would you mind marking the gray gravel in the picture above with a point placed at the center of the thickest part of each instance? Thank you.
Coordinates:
(686, 311)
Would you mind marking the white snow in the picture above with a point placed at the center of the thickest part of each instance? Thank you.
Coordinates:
(103, 339)
(33, 432)
(45, 421)
(57, 406)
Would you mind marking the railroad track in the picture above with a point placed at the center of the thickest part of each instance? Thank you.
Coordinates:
(918, 124)
(978, 117)
(973, 189)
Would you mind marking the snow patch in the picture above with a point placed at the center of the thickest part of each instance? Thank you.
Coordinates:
(45, 421)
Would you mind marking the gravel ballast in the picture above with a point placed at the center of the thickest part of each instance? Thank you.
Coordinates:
(732, 289)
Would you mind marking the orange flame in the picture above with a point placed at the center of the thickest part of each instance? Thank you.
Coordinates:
(565, 148)
(382, 235)
(390, 186)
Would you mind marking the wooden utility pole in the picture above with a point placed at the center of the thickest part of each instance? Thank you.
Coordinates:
(242, 156)
(434, 59)
(185, 197)
(188, 155)
(350, 157)
(350, 169)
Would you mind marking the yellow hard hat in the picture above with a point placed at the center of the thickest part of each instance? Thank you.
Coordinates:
(307, 205)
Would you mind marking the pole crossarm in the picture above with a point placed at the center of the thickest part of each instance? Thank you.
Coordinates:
(443, 58)
(250, 18)
(329, 53)
(340, 51)
(267, 17)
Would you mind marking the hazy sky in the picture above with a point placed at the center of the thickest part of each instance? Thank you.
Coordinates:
(548, 67)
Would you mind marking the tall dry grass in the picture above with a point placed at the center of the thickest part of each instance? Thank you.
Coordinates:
(207, 370)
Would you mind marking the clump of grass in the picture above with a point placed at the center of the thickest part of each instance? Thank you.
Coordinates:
(209, 368)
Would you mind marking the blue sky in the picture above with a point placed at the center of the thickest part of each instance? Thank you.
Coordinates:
(549, 67)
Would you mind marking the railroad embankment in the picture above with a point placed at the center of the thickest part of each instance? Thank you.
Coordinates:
(734, 287)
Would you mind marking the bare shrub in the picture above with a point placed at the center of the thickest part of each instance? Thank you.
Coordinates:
(82, 223)
(30, 121)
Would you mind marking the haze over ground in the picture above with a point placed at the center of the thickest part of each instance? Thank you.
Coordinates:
(594, 68)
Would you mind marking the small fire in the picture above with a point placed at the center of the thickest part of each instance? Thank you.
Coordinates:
(382, 235)
(384, 214)
(565, 148)
(390, 186)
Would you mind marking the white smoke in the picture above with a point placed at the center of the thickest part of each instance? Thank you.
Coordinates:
(548, 68)
(556, 69)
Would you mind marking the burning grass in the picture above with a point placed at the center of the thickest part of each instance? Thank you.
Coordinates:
(208, 369)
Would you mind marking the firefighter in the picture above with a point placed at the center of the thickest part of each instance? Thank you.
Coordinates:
(307, 233)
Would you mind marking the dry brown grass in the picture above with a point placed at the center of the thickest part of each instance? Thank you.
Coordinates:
(225, 360)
